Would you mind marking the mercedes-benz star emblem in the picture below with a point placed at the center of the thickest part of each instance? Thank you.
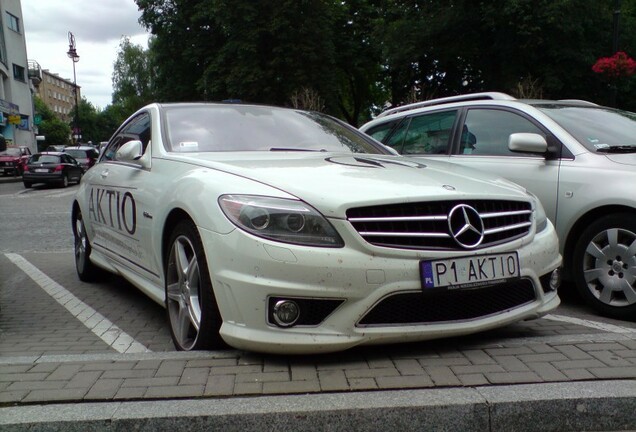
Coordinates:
(466, 226)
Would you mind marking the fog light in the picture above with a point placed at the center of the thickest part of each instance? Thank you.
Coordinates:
(555, 279)
(286, 313)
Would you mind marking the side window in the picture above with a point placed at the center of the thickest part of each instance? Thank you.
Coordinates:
(396, 139)
(429, 133)
(138, 128)
(486, 132)
(381, 131)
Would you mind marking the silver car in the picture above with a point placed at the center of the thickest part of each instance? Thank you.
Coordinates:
(579, 158)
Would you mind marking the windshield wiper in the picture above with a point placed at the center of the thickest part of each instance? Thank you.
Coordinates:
(296, 149)
(617, 149)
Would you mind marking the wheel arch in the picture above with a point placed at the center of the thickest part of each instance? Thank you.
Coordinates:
(585, 220)
(75, 209)
(175, 216)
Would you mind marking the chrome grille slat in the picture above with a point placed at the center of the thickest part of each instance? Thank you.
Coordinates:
(507, 228)
(402, 234)
(400, 219)
(425, 225)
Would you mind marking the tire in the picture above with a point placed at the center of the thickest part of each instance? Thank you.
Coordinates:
(65, 181)
(27, 185)
(86, 270)
(604, 266)
(192, 310)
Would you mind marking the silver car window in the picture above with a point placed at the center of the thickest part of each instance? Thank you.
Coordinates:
(486, 132)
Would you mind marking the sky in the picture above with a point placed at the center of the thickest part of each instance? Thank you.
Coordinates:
(98, 26)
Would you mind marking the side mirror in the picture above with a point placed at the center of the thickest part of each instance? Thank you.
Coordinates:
(527, 143)
(131, 151)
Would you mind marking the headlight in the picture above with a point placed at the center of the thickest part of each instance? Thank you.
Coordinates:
(281, 220)
(541, 217)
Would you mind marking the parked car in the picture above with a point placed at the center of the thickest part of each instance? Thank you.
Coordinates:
(286, 231)
(52, 168)
(55, 148)
(578, 157)
(85, 155)
(13, 160)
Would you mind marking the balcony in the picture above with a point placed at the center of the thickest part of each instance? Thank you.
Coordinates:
(35, 72)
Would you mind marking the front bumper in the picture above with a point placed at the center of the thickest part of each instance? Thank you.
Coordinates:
(247, 271)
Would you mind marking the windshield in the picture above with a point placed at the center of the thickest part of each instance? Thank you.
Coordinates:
(221, 128)
(598, 128)
(10, 152)
(44, 158)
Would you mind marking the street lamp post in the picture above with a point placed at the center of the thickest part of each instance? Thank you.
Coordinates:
(72, 54)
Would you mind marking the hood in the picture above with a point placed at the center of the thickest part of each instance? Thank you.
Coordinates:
(623, 158)
(5, 158)
(334, 182)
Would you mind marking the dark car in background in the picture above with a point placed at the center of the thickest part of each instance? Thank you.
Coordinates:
(52, 168)
(85, 155)
(13, 160)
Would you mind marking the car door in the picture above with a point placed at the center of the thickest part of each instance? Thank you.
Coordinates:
(122, 200)
(477, 137)
(71, 167)
(483, 144)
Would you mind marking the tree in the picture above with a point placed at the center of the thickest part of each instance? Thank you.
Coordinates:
(55, 131)
(133, 77)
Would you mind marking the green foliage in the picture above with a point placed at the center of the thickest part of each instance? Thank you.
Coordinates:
(55, 131)
(355, 55)
(133, 78)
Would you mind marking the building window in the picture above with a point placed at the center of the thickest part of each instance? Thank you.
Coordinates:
(18, 73)
(13, 22)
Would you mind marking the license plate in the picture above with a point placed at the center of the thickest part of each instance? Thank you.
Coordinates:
(41, 170)
(467, 272)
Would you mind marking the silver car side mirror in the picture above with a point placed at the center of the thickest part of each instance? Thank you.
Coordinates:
(527, 143)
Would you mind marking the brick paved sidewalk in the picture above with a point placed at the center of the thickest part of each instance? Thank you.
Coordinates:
(437, 364)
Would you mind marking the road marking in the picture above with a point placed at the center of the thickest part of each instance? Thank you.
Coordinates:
(112, 335)
(592, 324)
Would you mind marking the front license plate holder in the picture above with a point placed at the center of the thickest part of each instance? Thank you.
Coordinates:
(469, 271)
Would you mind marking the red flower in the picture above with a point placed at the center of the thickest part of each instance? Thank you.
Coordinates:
(617, 66)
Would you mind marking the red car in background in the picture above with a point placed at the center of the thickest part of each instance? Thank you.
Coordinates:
(13, 160)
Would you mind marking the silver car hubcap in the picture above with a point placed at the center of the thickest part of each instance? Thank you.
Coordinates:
(610, 267)
(183, 292)
(80, 243)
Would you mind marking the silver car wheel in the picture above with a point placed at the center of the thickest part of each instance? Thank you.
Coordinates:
(80, 243)
(184, 292)
(610, 267)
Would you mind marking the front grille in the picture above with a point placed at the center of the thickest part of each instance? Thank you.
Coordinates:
(419, 307)
(425, 225)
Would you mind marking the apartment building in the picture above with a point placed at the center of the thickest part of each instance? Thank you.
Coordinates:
(16, 97)
(58, 94)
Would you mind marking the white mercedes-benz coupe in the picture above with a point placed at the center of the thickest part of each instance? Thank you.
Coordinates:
(285, 231)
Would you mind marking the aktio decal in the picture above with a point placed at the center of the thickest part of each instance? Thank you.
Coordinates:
(113, 208)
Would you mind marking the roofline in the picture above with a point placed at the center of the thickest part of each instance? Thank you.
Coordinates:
(449, 99)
